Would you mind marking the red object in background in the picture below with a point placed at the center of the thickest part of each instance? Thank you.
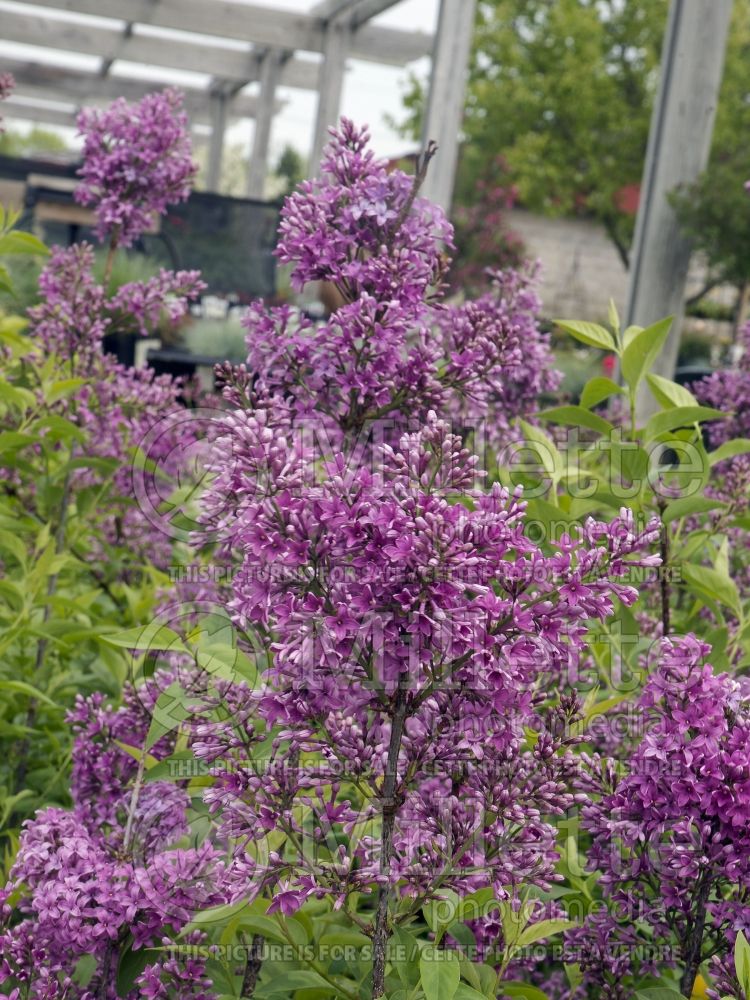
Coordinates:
(608, 364)
(628, 198)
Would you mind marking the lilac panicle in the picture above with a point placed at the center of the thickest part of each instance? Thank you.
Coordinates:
(137, 160)
(670, 835)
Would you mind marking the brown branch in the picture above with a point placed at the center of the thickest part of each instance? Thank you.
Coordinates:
(253, 966)
(664, 573)
(390, 806)
(692, 948)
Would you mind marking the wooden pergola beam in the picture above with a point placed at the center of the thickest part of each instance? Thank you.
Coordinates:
(102, 90)
(108, 43)
(262, 26)
(356, 12)
(78, 87)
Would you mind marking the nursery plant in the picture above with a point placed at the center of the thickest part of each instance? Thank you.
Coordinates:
(451, 702)
(79, 557)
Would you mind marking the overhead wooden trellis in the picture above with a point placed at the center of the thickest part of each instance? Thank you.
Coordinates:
(250, 43)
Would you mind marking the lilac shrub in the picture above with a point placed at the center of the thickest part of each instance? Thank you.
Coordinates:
(414, 626)
(76, 417)
(116, 405)
(111, 873)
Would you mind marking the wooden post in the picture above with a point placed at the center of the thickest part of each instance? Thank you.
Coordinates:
(270, 71)
(335, 50)
(216, 147)
(445, 103)
(678, 147)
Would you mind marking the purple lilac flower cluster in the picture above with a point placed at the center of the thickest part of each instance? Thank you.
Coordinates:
(729, 390)
(117, 405)
(670, 836)
(393, 351)
(378, 586)
(137, 160)
(111, 871)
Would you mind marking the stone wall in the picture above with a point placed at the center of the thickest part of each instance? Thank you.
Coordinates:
(581, 269)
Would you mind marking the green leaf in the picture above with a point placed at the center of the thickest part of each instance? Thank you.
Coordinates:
(136, 753)
(132, 964)
(21, 687)
(288, 982)
(680, 416)
(613, 317)
(668, 393)
(169, 712)
(18, 242)
(515, 989)
(737, 446)
(684, 506)
(545, 448)
(6, 284)
(62, 389)
(598, 388)
(84, 970)
(742, 961)
(439, 913)
(13, 544)
(629, 333)
(588, 333)
(643, 350)
(543, 929)
(659, 993)
(463, 935)
(577, 416)
(440, 974)
(465, 992)
(154, 637)
(573, 974)
(707, 582)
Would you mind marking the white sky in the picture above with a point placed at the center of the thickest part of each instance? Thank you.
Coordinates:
(371, 91)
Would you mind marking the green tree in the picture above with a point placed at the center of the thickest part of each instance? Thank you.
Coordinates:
(562, 90)
(715, 211)
(37, 141)
(290, 169)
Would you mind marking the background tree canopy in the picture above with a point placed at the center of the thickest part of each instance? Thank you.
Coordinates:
(562, 91)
